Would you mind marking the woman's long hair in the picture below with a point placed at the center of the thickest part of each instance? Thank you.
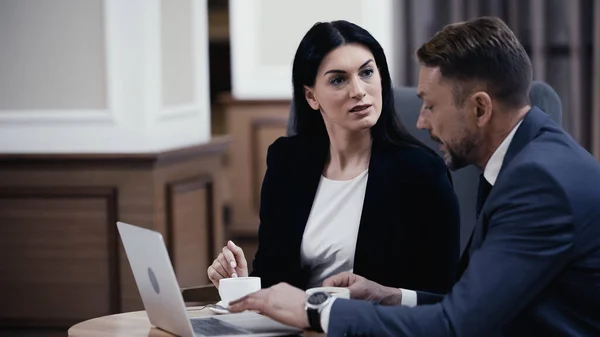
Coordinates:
(321, 39)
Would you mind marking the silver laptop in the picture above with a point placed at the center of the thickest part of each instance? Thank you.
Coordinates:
(161, 295)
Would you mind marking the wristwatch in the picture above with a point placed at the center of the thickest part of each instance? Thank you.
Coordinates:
(314, 305)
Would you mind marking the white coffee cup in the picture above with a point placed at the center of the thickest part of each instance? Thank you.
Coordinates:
(233, 288)
(333, 291)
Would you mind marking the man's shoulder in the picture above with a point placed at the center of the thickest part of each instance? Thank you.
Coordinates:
(553, 162)
(558, 155)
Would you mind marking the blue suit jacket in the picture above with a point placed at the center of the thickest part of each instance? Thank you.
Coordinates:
(534, 265)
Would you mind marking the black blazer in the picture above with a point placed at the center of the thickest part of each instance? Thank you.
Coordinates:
(409, 229)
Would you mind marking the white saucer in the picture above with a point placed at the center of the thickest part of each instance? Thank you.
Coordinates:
(219, 311)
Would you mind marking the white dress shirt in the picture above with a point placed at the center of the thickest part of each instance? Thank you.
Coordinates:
(490, 173)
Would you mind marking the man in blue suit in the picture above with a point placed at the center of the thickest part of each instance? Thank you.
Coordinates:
(533, 262)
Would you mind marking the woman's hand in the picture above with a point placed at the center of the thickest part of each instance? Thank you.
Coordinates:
(230, 263)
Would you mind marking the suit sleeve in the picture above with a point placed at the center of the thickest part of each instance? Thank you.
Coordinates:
(529, 241)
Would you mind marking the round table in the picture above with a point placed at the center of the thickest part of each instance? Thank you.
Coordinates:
(132, 324)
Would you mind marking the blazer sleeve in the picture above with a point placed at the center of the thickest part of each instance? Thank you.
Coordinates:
(272, 260)
(424, 297)
(529, 241)
(266, 259)
(438, 216)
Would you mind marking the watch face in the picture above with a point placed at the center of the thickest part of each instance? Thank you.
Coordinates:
(317, 298)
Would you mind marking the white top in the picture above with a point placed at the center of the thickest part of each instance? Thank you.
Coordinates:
(490, 173)
(331, 231)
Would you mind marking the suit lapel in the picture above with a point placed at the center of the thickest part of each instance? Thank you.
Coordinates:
(529, 128)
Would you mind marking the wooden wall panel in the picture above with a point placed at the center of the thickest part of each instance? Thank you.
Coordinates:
(209, 171)
(61, 252)
(61, 210)
(265, 130)
(190, 224)
(252, 125)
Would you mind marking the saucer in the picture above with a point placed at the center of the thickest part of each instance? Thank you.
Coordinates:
(219, 308)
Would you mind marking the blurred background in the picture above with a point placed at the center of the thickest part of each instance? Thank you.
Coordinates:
(159, 113)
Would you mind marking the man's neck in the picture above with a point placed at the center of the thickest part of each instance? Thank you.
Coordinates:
(505, 122)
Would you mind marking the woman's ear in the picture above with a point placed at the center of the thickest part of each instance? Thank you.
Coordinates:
(310, 98)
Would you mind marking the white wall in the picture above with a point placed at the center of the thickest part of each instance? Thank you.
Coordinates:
(103, 75)
(266, 33)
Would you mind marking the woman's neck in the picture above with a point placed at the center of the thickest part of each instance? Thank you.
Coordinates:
(349, 154)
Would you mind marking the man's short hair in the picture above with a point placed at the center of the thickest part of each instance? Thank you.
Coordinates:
(481, 52)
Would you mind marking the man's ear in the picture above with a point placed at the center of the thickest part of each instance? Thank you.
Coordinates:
(482, 103)
(310, 98)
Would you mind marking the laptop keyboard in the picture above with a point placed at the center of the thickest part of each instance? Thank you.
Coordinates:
(216, 327)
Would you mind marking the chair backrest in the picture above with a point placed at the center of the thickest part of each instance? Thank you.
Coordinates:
(465, 180)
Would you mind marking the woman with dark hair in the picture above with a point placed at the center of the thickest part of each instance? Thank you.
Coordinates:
(352, 190)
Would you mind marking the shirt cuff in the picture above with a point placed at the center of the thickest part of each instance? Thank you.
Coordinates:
(325, 315)
(409, 298)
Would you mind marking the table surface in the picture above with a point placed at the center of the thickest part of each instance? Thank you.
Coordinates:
(133, 324)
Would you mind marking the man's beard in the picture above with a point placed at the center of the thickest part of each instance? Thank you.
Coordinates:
(453, 160)
(457, 156)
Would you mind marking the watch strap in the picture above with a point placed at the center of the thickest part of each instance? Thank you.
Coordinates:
(314, 319)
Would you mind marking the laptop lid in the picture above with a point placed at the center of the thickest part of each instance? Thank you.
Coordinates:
(161, 295)
(155, 279)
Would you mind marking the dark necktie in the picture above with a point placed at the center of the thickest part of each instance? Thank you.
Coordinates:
(482, 193)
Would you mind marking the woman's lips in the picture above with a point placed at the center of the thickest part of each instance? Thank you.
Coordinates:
(360, 108)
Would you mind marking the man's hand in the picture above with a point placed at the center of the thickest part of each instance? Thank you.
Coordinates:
(363, 289)
(281, 302)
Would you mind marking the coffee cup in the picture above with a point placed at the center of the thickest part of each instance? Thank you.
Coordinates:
(338, 292)
(233, 288)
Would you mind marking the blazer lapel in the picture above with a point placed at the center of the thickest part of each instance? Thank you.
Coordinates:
(308, 170)
(370, 229)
